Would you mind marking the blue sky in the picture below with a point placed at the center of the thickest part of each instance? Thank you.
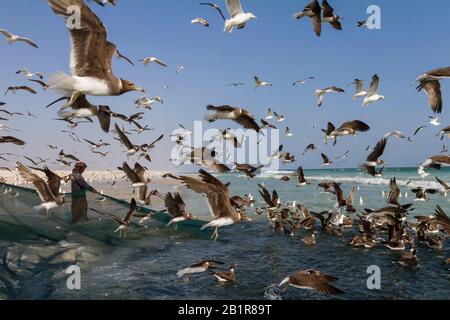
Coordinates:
(275, 46)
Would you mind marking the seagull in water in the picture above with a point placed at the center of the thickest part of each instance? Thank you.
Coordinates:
(238, 18)
(11, 38)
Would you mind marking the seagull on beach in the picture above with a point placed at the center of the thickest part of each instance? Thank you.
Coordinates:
(11, 38)
(238, 18)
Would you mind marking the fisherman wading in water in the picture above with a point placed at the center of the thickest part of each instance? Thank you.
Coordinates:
(79, 188)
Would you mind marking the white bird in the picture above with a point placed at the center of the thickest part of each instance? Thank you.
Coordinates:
(201, 21)
(359, 90)
(146, 102)
(179, 69)
(260, 83)
(361, 201)
(29, 74)
(288, 132)
(238, 18)
(148, 60)
(279, 117)
(320, 93)
(372, 95)
(11, 38)
(434, 121)
(269, 114)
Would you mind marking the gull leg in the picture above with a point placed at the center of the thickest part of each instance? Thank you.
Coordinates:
(75, 96)
(215, 234)
(187, 279)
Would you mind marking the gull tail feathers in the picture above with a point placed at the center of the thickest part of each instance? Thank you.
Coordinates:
(61, 83)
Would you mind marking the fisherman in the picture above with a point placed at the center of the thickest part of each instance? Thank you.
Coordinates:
(79, 188)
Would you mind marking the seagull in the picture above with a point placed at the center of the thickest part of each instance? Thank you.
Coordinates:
(238, 18)
(310, 147)
(312, 280)
(179, 69)
(346, 129)
(418, 130)
(359, 90)
(215, 7)
(121, 56)
(444, 132)
(44, 85)
(397, 134)
(288, 132)
(218, 197)
(435, 162)
(148, 60)
(176, 208)
(434, 121)
(29, 74)
(326, 160)
(269, 114)
(136, 175)
(239, 115)
(13, 140)
(198, 267)
(301, 177)
(105, 2)
(362, 23)
(98, 145)
(373, 160)
(429, 81)
(125, 223)
(372, 95)
(279, 117)
(236, 84)
(259, 83)
(82, 108)
(313, 11)
(63, 155)
(206, 158)
(145, 102)
(345, 202)
(91, 58)
(201, 21)
(302, 81)
(24, 88)
(48, 198)
(344, 156)
(226, 276)
(329, 16)
(248, 169)
(409, 259)
(131, 148)
(11, 38)
(266, 124)
(320, 93)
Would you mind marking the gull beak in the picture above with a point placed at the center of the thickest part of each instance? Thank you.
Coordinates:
(138, 88)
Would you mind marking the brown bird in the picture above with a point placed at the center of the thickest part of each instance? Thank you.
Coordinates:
(124, 223)
(198, 267)
(313, 11)
(13, 140)
(248, 169)
(329, 16)
(301, 177)
(443, 219)
(349, 128)
(205, 157)
(429, 82)
(241, 116)
(49, 199)
(373, 159)
(312, 280)
(345, 202)
(176, 208)
(41, 83)
(226, 276)
(91, 57)
(218, 198)
(15, 89)
(409, 259)
(394, 193)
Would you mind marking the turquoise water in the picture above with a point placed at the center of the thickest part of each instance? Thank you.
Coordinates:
(144, 265)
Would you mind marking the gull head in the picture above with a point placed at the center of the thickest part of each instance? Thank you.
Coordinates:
(251, 16)
(128, 86)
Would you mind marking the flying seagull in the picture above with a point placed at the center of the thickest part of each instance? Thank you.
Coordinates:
(11, 38)
(349, 128)
(205, 157)
(215, 7)
(429, 82)
(312, 280)
(44, 85)
(29, 74)
(201, 21)
(259, 83)
(218, 197)
(13, 140)
(124, 223)
(24, 88)
(176, 208)
(239, 115)
(328, 16)
(238, 18)
(91, 57)
(373, 160)
(302, 81)
(198, 267)
(313, 11)
(301, 177)
(326, 160)
(148, 60)
(320, 93)
(359, 90)
(48, 198)
(372, 95)
(435, 162)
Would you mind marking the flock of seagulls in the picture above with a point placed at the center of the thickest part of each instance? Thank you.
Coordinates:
(92, 75)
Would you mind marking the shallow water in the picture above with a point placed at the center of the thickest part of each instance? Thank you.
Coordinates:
(144, 265)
